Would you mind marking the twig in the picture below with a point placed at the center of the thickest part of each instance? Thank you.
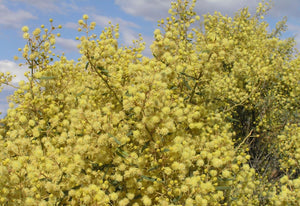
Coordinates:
(244, 139)
(106, 82)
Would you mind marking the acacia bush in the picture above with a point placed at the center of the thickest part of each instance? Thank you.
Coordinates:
(211, 119)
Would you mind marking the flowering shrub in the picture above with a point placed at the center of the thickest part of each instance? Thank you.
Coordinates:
(211, 119)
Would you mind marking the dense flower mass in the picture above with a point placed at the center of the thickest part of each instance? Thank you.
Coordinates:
(211, 119)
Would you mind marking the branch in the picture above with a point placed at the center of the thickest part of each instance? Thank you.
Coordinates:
(106, 82)
(244, 140)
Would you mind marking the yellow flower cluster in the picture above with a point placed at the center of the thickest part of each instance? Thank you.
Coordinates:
(211, 119)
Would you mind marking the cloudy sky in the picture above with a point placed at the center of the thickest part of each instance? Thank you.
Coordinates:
(134, 17)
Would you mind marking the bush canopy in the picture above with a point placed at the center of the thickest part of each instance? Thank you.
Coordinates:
(211, 119)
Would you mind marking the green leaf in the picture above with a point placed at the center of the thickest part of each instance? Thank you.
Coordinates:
(127, 94)
(125, 153)
(148, 178)
(121, 153)
(99, 67)
(103, 71)
(222, 188)
(105, 172)
(76, 187)
(45, 179)
(80, 93)
(47, 77)
(199, 93)
(153, 168)
(145, 146)
(106, 166)
(129, 134)
(187, 84)
(91, 88)
(138, 196)
(190, 77)
(176, 199)
(86, 66)
(116, 140)
(95, 166)
(225, 179)
(114, 182)
(232, 119)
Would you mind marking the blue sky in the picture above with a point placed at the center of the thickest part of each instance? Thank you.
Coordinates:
(134, 17)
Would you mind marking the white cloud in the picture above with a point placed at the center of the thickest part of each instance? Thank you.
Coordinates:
(225, 7)
(294, 29)
(3, 107)
(13, 19)
(148, 40)
(55, 6)
(157, 9)
(14, 69)
(68, 45)
(103, 21)
(71, 25)
(290, 8)
(49, 5)
(3, 101)
(150, 10)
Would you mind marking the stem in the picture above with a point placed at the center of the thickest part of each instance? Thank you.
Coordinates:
(198, 78)
(244, 140)
(195, 86)
(106, 82)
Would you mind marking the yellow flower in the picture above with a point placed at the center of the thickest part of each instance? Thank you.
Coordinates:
(36, 132)
(156, 32)
(130, 196)
(31, 122)
(168, 170)
(146, 200)
(25, 29)
(123, 202)
(226, 173)
(16, 165)
(284, 179)
(30, 201)
(52, 41)
(216, 162)
(26, 35)
(23, 119)
(150, 190)
(14, 179)
(80, 22)
(36, 32)
(85, 17)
